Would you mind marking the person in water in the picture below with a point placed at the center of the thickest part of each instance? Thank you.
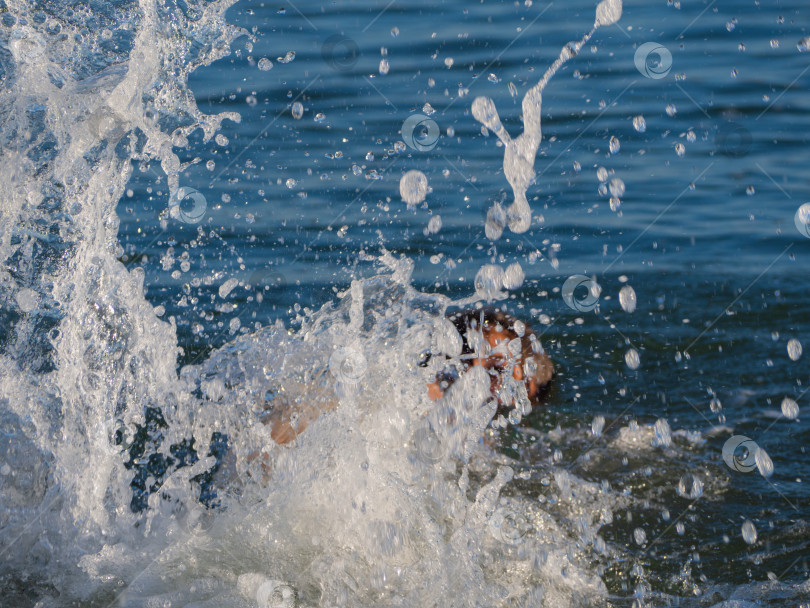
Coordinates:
(502, 344)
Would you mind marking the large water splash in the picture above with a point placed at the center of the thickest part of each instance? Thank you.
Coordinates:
(86, 91)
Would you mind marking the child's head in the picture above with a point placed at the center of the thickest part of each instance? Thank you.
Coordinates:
(501, 344)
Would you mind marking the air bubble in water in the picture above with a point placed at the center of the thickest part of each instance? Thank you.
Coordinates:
(297, 110)
(632, 359)
(749, 532)
(639, 124)
(790, 409)
(413, 187)
(265, 64)
(794, 349)
(764, 463)
(615, 145)
(627, 298)
(616, 187)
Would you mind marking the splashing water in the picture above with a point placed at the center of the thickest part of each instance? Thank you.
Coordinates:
(519, 153)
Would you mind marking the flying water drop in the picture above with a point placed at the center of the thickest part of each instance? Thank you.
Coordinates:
(749, 532)
(794, 349)
(790, 409)
(627, 298)
(413, 187)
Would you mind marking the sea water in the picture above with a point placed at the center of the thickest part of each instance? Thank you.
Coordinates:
(148, 322)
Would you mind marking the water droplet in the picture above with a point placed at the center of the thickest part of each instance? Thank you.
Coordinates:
(598, 425)
(616, 187)
(394, 32)
(764, 463)
(251, 100)
(290, 56)
(384, 66)
(428, 110)
(297, 110)
(804, 44)
(489, 281)
(672, 110)
(601, 174)
(715, 405)
(413, 187)
(627, 298)
(794, 349)
(290, 183)
(774, 43)
(749, 532)
(790, 409)
(639, 124)
(434, 225)
(680, 149)
(577, 167)
(319, 117)
(640, 536)
(513, 90)
(615, 145)
(265, 64)
(691, 137)
(690, 486)
(632, 359)
(513, 277)
(493, 79)
(662, 434)
(750, 191)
